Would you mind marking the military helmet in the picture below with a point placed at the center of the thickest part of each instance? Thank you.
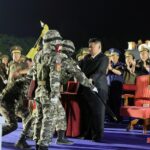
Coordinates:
(15, 49)
(52, 36)
(68, 45)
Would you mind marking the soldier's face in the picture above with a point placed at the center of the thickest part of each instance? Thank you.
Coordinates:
(129, 59)
(5, 60)
(94, 48)
(16, 56)
(144, 55)
(115, 58)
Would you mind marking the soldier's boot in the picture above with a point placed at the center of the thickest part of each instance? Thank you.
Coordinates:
(61, 139)
(43, 147)
(21, 143)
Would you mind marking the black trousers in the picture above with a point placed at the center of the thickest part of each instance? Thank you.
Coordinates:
(92, 112)
(115, 98)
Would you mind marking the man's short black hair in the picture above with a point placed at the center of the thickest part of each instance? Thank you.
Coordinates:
(94, 40)
(29, 59)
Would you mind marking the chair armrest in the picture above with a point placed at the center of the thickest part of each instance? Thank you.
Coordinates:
(125, 97)
(128, 96)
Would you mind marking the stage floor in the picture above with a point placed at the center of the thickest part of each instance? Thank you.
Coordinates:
(115, 138)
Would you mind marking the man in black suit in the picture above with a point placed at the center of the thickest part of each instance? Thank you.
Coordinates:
(94, 66)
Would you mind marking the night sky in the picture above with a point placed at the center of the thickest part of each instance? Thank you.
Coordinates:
(113, 21)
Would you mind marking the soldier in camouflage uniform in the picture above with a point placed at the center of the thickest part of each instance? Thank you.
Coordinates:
(5, 61)
(14, 106)
(48, 67)
(69, 68)
(45, 107)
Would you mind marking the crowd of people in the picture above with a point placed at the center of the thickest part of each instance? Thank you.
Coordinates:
(26, 82)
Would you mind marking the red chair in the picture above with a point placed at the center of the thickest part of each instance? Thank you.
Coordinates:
(70, 103)
(141, 108)
(127, 90)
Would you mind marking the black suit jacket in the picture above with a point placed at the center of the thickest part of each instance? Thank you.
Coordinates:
(95, 68)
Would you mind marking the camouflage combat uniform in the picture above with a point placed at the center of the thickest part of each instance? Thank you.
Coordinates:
(45, 108)
(68, 67)
(17, 107)
(50, 112)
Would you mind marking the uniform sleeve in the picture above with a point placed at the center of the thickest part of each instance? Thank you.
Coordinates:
(72, 67)
(54, 82)
(32, 73)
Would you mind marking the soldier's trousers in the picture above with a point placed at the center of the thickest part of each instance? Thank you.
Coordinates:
(8, 112)
(60, 117)
(49, 116)
(10, 118)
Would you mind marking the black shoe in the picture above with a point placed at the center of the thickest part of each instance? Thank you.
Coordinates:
(36, 146)
(97, 138)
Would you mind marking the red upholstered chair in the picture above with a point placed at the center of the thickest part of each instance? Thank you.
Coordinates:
(128, 90)
(70, 103)
(141, 108)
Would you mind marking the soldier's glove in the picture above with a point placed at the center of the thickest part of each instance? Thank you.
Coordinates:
(54, 100)
(95, 90)
(91, 81)
(5, 81)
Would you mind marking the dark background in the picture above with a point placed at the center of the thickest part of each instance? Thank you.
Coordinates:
(114, 21)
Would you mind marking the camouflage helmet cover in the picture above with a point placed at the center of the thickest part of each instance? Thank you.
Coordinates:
(68, 45)
(52, 36)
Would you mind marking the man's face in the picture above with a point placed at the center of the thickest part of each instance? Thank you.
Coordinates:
(94, 48)
(129, 59)
(144, 55)
(5, 60)
(114, 58)
(16, 56)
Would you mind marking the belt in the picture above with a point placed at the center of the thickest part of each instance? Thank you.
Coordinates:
(41, 82)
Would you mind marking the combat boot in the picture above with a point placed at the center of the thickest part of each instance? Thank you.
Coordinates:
(21, 143)
(61, 139)
(43, 147)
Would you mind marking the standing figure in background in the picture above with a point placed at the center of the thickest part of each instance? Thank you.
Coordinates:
(10, 106)
(115, 74)
(143, 64)
(129, 76)
(5, 61)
